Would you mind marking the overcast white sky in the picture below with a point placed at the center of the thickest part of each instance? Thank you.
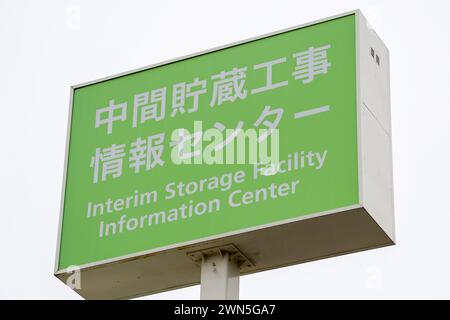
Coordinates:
(46, 46)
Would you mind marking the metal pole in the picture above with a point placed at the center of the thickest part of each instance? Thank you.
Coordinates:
(219, 277)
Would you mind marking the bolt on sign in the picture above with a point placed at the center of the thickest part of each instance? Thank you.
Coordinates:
(279, 145)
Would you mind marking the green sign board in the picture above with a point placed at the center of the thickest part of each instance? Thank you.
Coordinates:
(124, 192)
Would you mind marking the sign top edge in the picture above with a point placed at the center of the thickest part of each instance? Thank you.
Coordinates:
(240, 42)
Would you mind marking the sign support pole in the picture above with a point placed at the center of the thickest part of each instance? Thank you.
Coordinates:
(220, 271)
(219, 277)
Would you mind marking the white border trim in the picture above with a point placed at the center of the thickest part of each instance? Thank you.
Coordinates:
(358, 107)
(63, 192)
(121, 74)
(214, 237)
(313, 215)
